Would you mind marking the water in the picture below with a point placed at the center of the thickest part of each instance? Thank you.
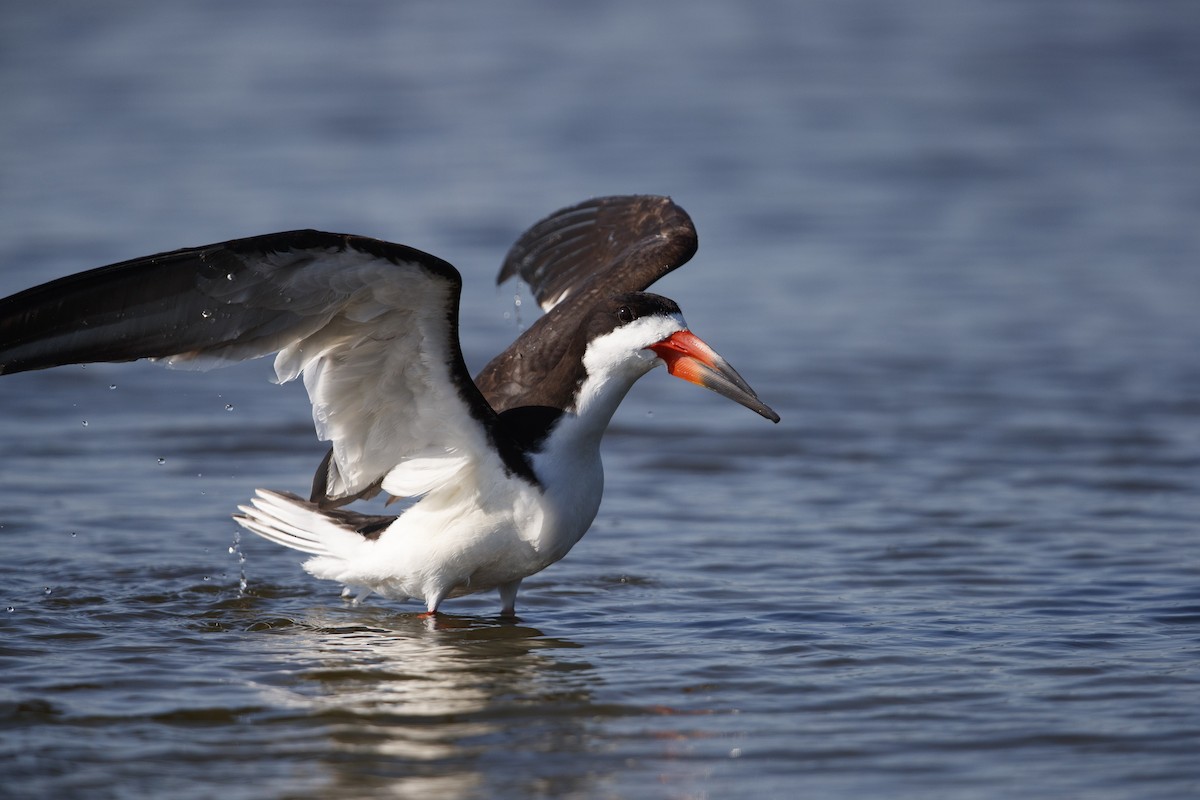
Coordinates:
(954, 245)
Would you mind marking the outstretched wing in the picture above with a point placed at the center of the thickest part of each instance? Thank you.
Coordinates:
(573, 260)
(607, 245)
(372, 326)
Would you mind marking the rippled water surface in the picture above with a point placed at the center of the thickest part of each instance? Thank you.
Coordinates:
(954, 245)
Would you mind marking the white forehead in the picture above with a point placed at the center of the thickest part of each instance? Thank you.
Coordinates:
(628, 342)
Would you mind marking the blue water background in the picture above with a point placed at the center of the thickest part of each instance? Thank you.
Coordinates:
(954, 244)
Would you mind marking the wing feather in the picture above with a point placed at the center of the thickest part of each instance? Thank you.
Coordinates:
(607, 245)
(573, 260)
(371, 326)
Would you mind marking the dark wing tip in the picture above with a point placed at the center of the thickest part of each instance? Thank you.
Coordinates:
(630, 240)
(151, 307)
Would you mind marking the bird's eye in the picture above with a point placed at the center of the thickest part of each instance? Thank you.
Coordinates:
(625, 314)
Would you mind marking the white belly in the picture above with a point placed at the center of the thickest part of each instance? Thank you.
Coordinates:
(453, 543)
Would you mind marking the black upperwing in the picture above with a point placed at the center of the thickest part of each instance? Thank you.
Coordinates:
(610, 244)
(213, 304)
(573, 260)
(373, 327)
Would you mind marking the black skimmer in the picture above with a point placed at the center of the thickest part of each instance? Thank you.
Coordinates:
(506, 468)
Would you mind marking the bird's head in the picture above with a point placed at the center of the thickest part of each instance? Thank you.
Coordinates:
(637, 331)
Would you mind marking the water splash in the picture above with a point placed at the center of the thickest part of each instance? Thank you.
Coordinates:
(235, 547)
(515, 314)
(517, 311)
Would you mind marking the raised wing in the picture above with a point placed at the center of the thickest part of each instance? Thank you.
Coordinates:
(607, 245)
(372, 326)
(573, 260)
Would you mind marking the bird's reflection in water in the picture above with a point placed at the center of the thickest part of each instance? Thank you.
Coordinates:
(444, 707)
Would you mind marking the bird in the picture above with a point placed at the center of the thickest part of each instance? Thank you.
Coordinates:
(501, 473)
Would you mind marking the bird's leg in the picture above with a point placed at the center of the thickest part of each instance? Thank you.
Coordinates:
(432, 601)
(355, 594)
(508, 599)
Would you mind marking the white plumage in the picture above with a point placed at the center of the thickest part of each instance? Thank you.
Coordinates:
(476, 528)
(503, 473)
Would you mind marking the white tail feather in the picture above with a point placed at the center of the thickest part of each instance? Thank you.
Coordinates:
(298, 524)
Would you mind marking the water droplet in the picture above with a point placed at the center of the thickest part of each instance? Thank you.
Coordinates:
(735, 752)
(162, 461)
(85, 423)
(47, 590)
(516, 312)
(228, 276)
(207, 578)
(206, 313)
(229, 406)
(236, 547)
(73, 533)
(112, 386)
(10, 609)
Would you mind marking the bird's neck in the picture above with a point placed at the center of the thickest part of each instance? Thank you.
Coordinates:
(568, 464)
(604, 385)
(567, 461)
